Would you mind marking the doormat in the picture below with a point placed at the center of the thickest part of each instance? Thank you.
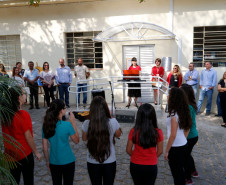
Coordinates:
(125, 116)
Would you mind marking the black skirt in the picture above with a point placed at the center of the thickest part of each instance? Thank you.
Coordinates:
(134, 92)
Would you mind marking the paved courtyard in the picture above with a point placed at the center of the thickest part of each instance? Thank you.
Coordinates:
(209, 153)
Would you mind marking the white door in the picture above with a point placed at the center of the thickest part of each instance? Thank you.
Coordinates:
(145, 58)
(130, 52)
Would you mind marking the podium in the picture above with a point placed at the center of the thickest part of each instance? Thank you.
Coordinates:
(130, 73)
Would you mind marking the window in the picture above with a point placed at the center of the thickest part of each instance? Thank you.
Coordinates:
(10, 51)
(209, 45)
(81, 45)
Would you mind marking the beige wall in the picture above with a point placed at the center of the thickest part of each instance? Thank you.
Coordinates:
(42, 29)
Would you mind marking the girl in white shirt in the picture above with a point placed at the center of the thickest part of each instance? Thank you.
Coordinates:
(178, 125)
(99, 132)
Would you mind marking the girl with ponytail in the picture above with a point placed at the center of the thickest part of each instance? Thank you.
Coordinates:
(55, 131)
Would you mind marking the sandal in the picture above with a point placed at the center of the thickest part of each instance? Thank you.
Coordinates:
(223, 125)
(136, 105)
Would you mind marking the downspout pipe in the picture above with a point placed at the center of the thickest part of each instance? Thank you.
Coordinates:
(179, 41)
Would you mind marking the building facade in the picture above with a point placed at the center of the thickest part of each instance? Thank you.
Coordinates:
(107, 33)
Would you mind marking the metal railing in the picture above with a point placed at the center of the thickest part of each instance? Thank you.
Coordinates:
(112, 83)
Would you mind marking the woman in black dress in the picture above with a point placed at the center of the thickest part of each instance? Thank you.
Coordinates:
(134, 92)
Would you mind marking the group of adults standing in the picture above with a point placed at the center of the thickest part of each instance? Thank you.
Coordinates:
(208, 80)
(63, 78)
(174, 79)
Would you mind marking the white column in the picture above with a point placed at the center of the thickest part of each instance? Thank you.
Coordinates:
(171, 15)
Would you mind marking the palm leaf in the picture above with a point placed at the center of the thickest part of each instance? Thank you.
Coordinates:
(6, 177)
(6, 112)
(7, 161)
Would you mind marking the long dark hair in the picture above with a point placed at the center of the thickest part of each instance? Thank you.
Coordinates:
(190, 95)
(145, 133)
(14, 69)
(51, 117)
(10, 101)
(98, 134)
(178, 103)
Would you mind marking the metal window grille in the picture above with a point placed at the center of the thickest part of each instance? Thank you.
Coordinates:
(209, 45)
(81, 45)
(10, 50)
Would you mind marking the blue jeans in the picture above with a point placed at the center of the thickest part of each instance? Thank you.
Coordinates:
(194, 87)
(219, 109)
(84, 93)
(202, 95)
(63, 89)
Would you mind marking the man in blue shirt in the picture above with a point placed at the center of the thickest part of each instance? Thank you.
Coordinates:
(63, 79)
(31, 75)
(191, 78)
(208, 80)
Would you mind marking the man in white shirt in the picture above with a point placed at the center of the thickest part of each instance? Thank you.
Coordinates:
(81, 73)
(63, 79)
(31, 75)
(208, 80)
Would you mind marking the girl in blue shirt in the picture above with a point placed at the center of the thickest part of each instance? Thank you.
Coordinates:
(61, 160)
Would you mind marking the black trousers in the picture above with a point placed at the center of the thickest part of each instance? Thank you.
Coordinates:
(48, 93)
(65, 172)
(102, 174)
(143, 174)
(223, 105)
(176, 162)
(33, 93)
(189, 161)
(26, 166)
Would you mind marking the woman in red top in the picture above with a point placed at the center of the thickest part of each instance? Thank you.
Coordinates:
(19, 128)
(134, 92)
(175, 77)
(157, 70)
(148, 141)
